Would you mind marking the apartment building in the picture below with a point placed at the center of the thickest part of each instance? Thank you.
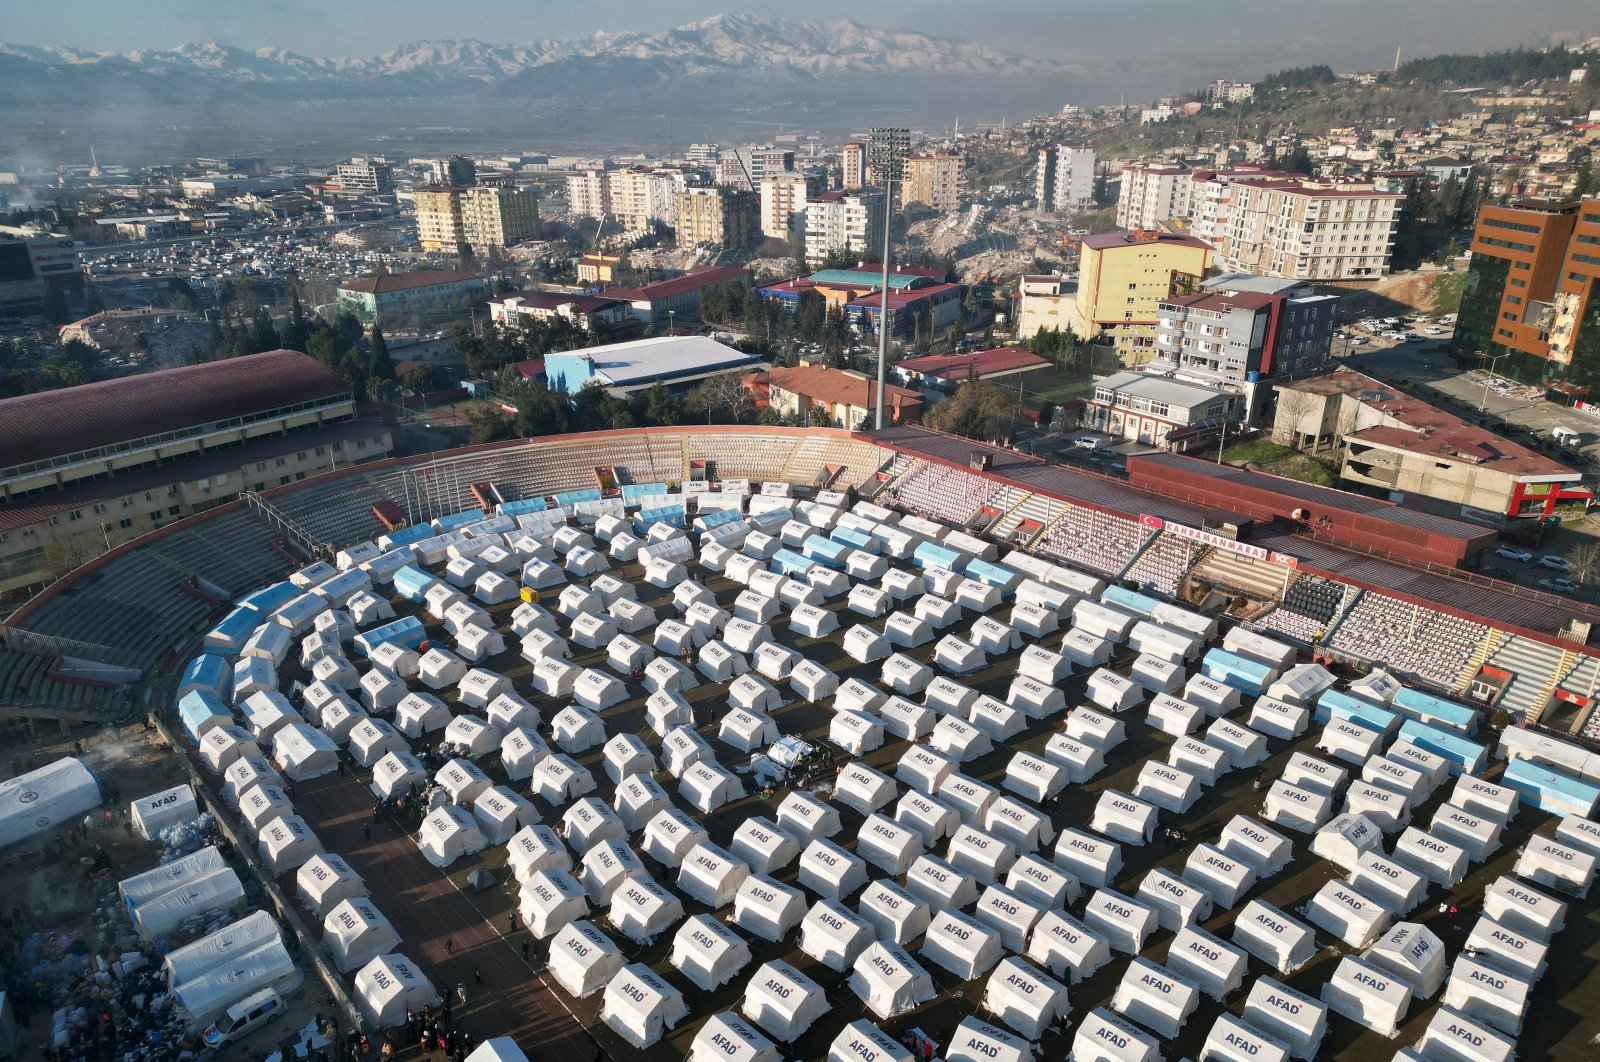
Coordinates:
(457, 170)
(783, 203)
(853, 163)
(483, 218)
(1289, 225)
(365, 177)
(1152, 193)
(1064, 177)
(745, 168)
(1122, 278)
(1223, 91)
(1240, 333)
(1150, 409)
(1532, 296)
(843, 221)
(398, 298)
(589, 193)
(933, 178)
(641, 200)
(721, 216)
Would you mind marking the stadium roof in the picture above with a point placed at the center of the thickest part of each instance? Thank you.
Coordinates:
(979, 363)
(421, 278)
(641, 362)
(55, 423)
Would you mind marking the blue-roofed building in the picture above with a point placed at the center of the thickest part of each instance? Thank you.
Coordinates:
(679, 362)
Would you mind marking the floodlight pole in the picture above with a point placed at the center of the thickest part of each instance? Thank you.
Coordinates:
(883, 306)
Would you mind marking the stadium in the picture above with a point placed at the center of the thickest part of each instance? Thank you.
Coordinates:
(812, 743)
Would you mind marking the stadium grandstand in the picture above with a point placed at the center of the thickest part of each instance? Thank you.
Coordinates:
(964, 690)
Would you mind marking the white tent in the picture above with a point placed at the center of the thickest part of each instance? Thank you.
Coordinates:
(285, 843)
(834, 935)
(501, 813)
(1439, 861)
(744, 635)
(865, 645)
(1524, 908)
(639, 1006)
(1156, 674)
(1155, 997)
(1167, 787)
(200, 957)
(726, 1037)
(1002, 721)
(1411, 952)
(1169, 715)
(1516, 952)
(521, 752)
(1104, 732)
(1177, 903)
(959, 740)
(704, 615)
(1301, 685)
(1216, 966)
(141, 888)
(625, 754)
(1348, 915)
(868, 601)
(806, 818)
(855, 733)
(1095, 861)
(576, 729)
(639, 798)
(1224, 877)
(893, 913)
(480, 687)
(1264, 849)
(707, 952)
(948, 697)
(150, 814)
(812, 682)
(326, 879)
(192, 891)
(367, 609)
(447, 834)
(930, 818)
(1434, 767)
(389, 987)
(1367, 996)
(1245, 747)
(597, 690)
(766, 908)
(933, 610)
(830, 871)
(1314, 774)
(540, 644)
(304, 752)
(665, 710)
(1350, 742)
(1292, 1017)
(1103, 1035)
(1025, 998)
(982, 855)
(755, 694)
(904, 675)
(1081, 760)
(420, 713)
(203, 998)
(711, 875)
(265, 713)
(764, 845)
(957, 657)
(813, 621)
(1169, 644)
(1450, 1033)
(669, 835)
(862, 788)
(1477, 835)
(1033, 778)
(242, 775)
(1041, 665)
(1025, 829)
(371, 740)
(1273, 937)
(1556, 866)
(471, 736)
(681, 748)
(1294, 808)
(582, 959)
(381, 691)
(462, 780)
(1389, 810)
(1123, 818)
(1233, 1037)
(587, 822)
(536, 848)
(889, 981)
(463, 614)
(552, 676)
(441, 669)
(1008, 914)
(1379, 878)
(707, 785)
(261, 804)
(549, 900)
(1042, 883)
(905, 719)
(1279, 719)
(219, 748)
(924, 769)
(1125, 924)
(339, 717)
(1402, 778)
(939, 885)
(630, 616)
(355, 932)
(783, 1001)
(1345, 838)
(775, 662)
(642, 909)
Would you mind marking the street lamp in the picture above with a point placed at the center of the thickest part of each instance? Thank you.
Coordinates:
(1493, 360)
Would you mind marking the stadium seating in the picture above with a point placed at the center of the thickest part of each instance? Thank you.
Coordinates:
(1408, 638)
(1092, 539)
(939, 492)
(1164, 563)
(1308, 609)
(1240, 574)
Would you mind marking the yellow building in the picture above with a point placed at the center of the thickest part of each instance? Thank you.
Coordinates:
(853, 161)
(721, 216)
(1123, 275)
(485, 217)
(598, 268)
(933, 179)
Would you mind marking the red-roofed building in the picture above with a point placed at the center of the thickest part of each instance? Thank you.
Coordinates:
(844, 399)
(588, 312)
(392, 295)
(1410, 451)
(675, 301)
(948, 371)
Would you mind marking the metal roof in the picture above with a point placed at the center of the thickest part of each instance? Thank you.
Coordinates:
(50, 424)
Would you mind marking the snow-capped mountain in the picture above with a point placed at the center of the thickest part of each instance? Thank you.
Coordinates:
(744, 46)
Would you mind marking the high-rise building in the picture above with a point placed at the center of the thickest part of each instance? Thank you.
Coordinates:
(1064, 177)
(1224, 91)
(783, 203)
(589, 193)
(457, 171)
(933, 178)
(1123, 276)
(1290, 225)
(641, 199)
(1152, 193)
(1531, 305)
(721, 216)
(844, 221)
(483, 218)
(1241, 332)
(853, 163)
(365, 176)
(701, 154)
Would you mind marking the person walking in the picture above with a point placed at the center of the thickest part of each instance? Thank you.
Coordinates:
(449, 946)
(366, 832)
(461, 992)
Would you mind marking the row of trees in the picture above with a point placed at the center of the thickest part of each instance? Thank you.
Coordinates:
(1506, 68)
(542, 410)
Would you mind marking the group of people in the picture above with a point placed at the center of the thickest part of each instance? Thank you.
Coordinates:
(102, 1017)
(435, 1032)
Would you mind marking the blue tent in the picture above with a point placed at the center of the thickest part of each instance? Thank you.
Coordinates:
(1436, 711)
(1466, 757)
(197, 707)
(825, 551)
(1231, 669)
(406, 631)
(523, 505)
(1336, 703)
(1550, 790)
(1127, 600)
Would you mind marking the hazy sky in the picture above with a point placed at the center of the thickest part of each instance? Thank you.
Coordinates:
(1257, 35)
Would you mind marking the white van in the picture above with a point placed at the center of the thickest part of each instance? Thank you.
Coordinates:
(249, 1013)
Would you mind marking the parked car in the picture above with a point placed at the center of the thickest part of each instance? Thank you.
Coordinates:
(253, 1010)
(1555, 563)
(1086, 443)
(1513, 553)
(1560, 586)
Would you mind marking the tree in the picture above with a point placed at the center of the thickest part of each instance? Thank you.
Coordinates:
(978, 410)
(1294, 407)
(488, 424)
(542, 411)
(723, 398)
(1585, 561)
(661, 408)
